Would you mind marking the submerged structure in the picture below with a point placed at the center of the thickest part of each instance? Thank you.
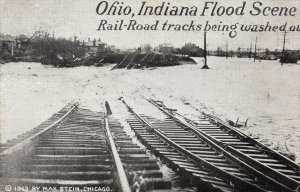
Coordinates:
(148, 59)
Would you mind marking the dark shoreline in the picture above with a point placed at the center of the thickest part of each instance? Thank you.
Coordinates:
(98, 61)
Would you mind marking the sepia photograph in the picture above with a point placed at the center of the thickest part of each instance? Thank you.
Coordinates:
(150, 95)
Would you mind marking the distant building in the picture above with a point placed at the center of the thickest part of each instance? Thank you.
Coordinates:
(95, 46)
(112, 48)
(13, 44)
(166, 48)
(7, 44)
(192, 49)
(146, 47)
(23, 43)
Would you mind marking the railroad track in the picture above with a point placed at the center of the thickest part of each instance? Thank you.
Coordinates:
(213, 156)
(77, 149)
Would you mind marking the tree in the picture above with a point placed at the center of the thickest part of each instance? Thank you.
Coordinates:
(50, 48)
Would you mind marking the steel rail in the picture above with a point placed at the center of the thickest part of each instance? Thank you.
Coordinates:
(273, 153)
(120, 169)
(29, 140)
(237, 182)
(292, 184)
(217, 146)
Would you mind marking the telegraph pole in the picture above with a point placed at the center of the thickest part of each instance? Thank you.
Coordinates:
(226, 48)
(250, 54)
(283, 47)
(284, 41)
(12, 49)
(205, 53)
(255, 49)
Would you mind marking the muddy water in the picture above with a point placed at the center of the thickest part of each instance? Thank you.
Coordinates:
(265, 92)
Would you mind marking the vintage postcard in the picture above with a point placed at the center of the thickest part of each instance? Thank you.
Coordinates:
(148, 95)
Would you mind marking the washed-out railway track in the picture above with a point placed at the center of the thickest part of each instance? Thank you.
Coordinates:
(212, 155)
(78, 150)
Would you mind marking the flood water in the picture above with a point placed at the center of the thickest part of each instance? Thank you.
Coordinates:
(265, 92)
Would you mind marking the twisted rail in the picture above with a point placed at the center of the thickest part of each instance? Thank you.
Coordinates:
(236, 181)
(31, 139)
(285, 184)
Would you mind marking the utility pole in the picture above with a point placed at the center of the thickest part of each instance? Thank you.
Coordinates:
(283, 47)
(12, 49)
(284, 41)
(255, 49)
(184, 49)
(226, 48)
(205, 53)
(250, 54)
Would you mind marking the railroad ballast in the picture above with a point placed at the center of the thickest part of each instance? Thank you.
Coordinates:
(207, 8)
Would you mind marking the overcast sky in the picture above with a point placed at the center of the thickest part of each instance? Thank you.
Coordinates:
(68, 17)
